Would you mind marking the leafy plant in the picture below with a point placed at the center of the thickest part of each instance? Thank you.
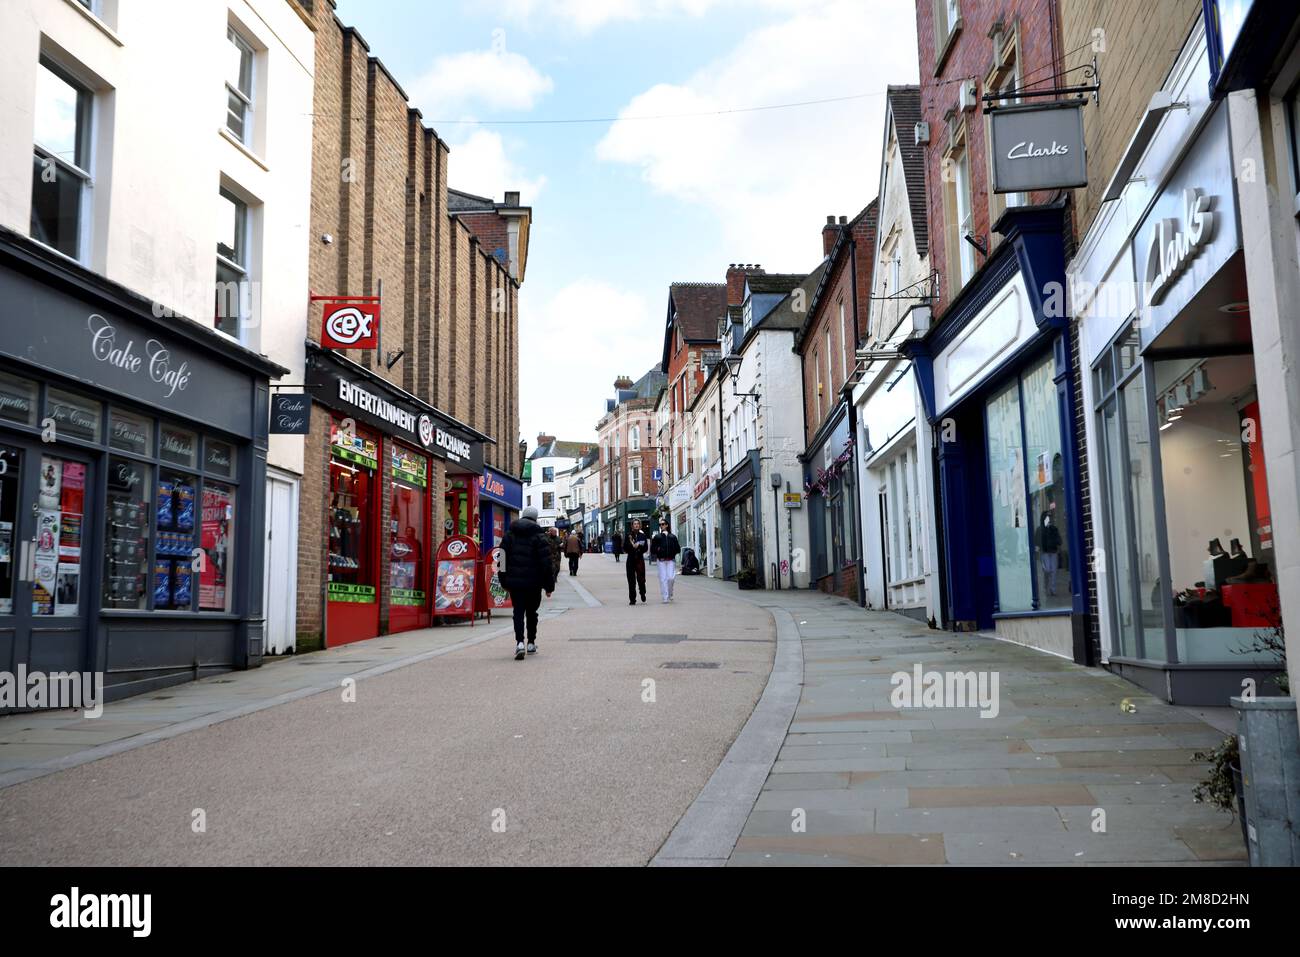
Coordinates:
(1271, 640)
(1218, 789)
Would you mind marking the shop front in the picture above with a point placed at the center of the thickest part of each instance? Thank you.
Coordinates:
(501, 498)
(998, 383)
(742, 537)
(1176, 439)
(830, 492)
(705, 521)
(619, 517)
(132, 473)
(386, 450)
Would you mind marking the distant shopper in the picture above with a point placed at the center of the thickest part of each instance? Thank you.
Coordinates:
(557, 547)
(618, 546)
(665, 548)
(527, 571)
(573, 549)
(636, 545)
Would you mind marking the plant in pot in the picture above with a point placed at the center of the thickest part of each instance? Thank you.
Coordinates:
(747, 577)
(1222, 788)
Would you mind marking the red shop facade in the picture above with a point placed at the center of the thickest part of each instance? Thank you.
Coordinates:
(389, 455)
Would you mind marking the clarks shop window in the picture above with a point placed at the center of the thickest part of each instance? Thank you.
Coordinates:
(354, 464)
(1027, 482)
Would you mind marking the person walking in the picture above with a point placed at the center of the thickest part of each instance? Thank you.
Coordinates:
(665, 548)
(527, 570)
(636, 545)
(573, 549)
(618, 546)
(557, 547)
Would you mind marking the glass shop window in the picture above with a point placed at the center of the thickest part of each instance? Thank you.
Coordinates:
(127, 521)
(18, 400)
(175, 562)
(352, 559)
(408, 563)
(128, 432)
(60, 512)
(1047, 497)
(217, 540)
(11, 468)
(75, 417)
(1006, 461)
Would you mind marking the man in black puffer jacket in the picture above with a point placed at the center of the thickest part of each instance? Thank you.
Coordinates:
(527, 570)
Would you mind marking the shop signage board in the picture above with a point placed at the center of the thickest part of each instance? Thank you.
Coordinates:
(122, 355)
(350, 324)
(290, 413)
(794, 499)
(333, 384)
(456, 577)
(501, 489)
(493, 595)
(1038, 146)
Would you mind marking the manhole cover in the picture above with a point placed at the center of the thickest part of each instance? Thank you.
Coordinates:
(655, 639)
(690, 664)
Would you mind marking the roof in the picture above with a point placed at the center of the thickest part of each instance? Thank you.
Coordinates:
(559, 449)
(870, 213)
(784, 315)
(650, 384)
(458, 201)
(764, 283)
(905, 107)
(695, 307)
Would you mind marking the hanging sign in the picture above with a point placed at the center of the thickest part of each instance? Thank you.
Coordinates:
(290, 413)
(350, 325)
(1038, 146)
(455, 577)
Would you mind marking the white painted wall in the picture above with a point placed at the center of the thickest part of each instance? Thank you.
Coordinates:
(159, 152)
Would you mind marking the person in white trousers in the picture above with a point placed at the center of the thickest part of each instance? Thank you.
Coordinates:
(665, 548)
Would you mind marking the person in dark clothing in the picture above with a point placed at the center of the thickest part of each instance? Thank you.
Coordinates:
(665, 549)
(618, 546)
(636, 545)
(573, 551)
(557, 547)
(1049, 549)
(527, 570)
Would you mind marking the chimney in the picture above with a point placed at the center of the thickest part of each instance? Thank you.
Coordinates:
(623, 382)
(736, 274)
(512, 198)
(830, 233)
(544, 439)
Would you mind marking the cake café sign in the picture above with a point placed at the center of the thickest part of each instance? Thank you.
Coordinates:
(1174, 244)
(153, 360)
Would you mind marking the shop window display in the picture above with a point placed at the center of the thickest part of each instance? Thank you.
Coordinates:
(353, 467)
(217, 539)
(174, 521)
(1010, 513)
(407, 527)
(126, 533)
(1047, 496)
(11, 466)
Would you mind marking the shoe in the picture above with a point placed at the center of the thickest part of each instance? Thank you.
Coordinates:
(519, 651)
(532, 647)
(632, 602)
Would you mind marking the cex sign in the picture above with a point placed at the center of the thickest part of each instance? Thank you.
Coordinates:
(350, 325)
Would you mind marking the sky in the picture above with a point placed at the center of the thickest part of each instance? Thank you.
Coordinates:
(645, 197)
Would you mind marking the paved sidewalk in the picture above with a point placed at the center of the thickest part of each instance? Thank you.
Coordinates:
(880, 785)
(40, 743)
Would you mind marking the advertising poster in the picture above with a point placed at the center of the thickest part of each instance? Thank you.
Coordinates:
(215, 542)
(455, 576)
(497, 596)
(50, 483)
(67, 588)
(72, 496)
(46, 562)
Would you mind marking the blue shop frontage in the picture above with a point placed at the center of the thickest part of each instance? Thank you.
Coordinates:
(998, 379)
(501, 498)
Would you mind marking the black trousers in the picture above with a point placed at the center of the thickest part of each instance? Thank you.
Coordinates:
(635, 577)
(573, 564)
(526, 601)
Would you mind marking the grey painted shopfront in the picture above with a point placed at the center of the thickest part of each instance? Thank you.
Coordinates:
(132, 477)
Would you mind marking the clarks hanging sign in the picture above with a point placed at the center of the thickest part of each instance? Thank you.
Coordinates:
(1039, 146)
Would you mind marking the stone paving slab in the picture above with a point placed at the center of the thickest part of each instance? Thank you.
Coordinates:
(1019, 788)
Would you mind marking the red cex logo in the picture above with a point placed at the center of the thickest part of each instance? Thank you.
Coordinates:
(350, 327)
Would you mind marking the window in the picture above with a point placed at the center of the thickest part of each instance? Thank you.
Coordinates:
(1003, 79)
(1007, 483)
(217, 541)
(239, 87)
(830, 376)
(61, 160)
(548, 500)
(233, 296)
(634, 479)
(959, 220)
(634, 439)
(548, 473)
(947, 22)
(353, 515)
(817, 364)
(74, 416)
(849, 338)
(18, 400)
(126, 535)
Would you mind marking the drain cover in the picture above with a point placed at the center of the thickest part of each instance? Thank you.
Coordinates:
(690, 664)
(655, 639)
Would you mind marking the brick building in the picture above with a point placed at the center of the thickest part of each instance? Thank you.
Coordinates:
(827, 344)
(401, 433)
(628, 454)
(998, 365)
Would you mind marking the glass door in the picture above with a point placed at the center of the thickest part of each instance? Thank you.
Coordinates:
(44, 547)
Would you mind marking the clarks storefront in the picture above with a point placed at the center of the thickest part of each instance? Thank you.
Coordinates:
(132, 482)
(389, 456)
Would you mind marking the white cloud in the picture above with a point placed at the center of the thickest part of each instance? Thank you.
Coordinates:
(480, 165)
(571, 349)
(492, 79)
(772, 176)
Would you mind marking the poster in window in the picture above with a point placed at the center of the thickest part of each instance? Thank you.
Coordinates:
(45, 570)
(218, 511)
(51, 482)
(67, 588)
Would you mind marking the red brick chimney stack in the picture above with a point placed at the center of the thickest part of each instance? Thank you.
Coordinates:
(830, 233)
(736, 274)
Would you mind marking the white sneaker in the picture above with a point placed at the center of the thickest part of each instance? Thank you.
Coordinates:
(519, 651)
(532, 647)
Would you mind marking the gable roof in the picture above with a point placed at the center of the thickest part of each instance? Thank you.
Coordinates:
(697, 307)
(781, 282)
(783, 315)
(905, 108)
(559, 449)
